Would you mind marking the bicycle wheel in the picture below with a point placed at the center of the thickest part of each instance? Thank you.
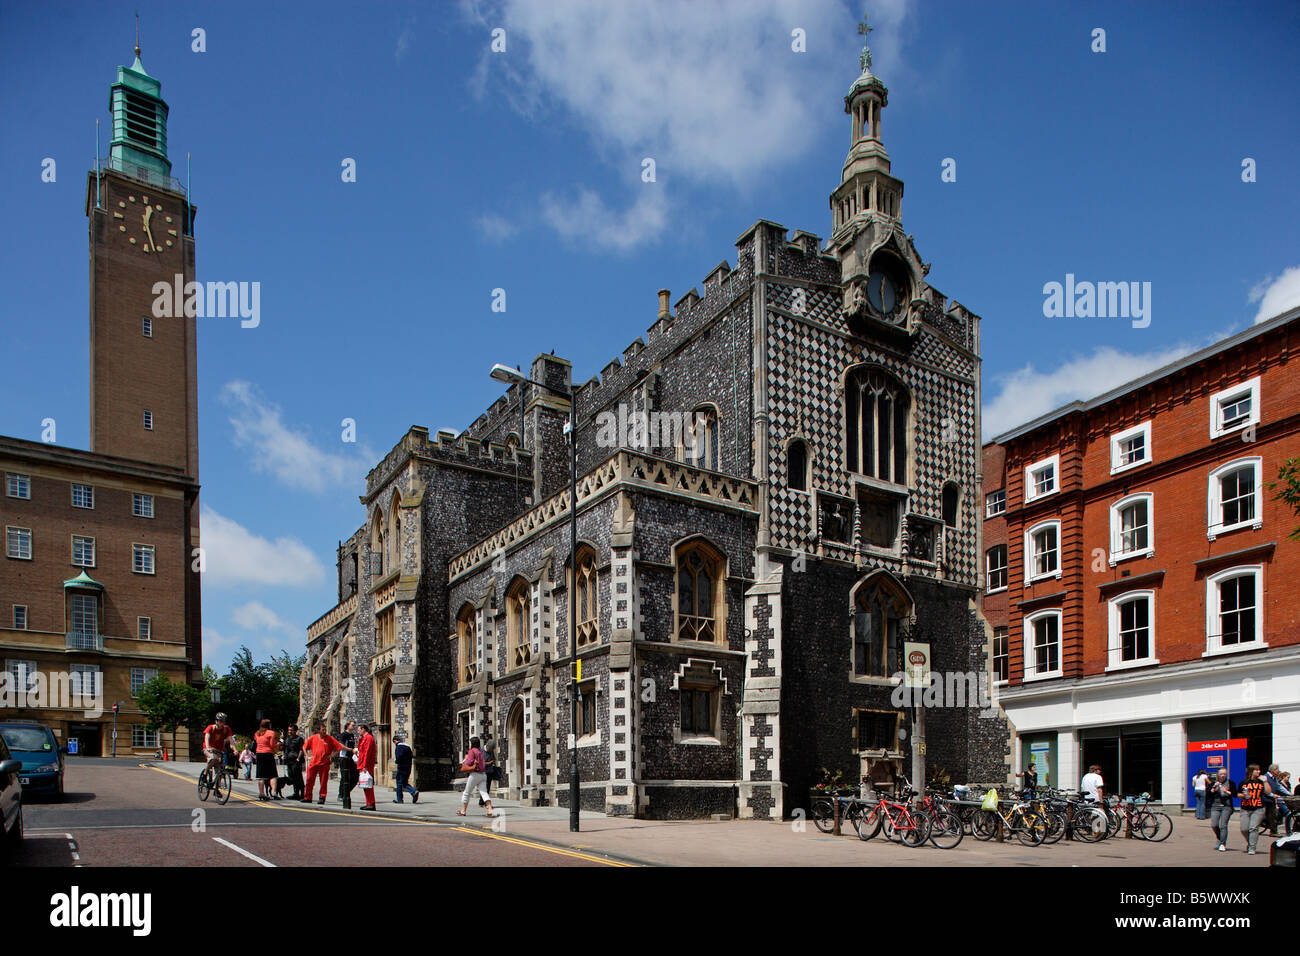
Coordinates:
(1055, 826)
(1031, 828)
(221, 787)
(913, 828)
(1154, 826)
(870, 823)
(945, 829)
(984, 824)
(853, 815)
(205, 784)
(1114, 820)
(1088, 825)
(823, 815)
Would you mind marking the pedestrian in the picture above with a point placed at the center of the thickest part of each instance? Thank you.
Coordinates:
(1254, 791)
(232, 758)
(265, 740)
(246, 758)
(1092, 785)
(1276, 811)
(318, 749)
(1029, 786)
(1222, 790)
(475, 767)
(367, 757)
(1199, 784)
(292, 751)
(347, 763)
(491, 768)
(402, 758)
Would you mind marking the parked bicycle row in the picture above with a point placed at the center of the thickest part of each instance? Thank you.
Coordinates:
(942, 819)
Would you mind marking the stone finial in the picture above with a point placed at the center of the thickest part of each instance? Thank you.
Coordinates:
(664, 313)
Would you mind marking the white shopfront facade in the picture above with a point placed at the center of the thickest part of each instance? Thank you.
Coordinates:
(1147, 718)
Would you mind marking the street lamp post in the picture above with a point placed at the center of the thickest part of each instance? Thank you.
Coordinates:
(503, 373)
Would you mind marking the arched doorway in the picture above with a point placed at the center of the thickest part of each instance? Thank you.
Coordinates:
(383, 731)
(515, 749)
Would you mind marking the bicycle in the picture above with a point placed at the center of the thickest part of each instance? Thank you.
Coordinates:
(1029, 825)
(1150, 825)
(823, 812)
(216, 781)
(902, 823)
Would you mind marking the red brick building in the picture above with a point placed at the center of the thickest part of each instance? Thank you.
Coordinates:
(1139, 576)
(97, 589)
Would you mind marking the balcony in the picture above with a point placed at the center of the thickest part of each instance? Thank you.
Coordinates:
(84, 641)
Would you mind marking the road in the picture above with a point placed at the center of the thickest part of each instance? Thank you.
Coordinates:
(121, 813)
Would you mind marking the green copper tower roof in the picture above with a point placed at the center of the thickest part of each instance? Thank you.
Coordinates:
(139, 120)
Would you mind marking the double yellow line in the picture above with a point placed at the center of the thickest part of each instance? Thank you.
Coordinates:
(428, 823)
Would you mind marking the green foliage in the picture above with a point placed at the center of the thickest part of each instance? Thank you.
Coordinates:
(1288, 477)
(269, 689)
(170, 706)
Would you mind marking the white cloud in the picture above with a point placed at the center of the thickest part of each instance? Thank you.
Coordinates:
(256, 616)
(403, 44)
(713, 91)
(1276, 294)
(497, 228)
(1027, 393)
(287, 454)
(587, 219)
(234, 556)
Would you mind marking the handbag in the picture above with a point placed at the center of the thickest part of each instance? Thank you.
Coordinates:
(468, 766)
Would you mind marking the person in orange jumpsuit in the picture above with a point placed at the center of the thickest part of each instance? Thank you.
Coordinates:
(366, 757)
(318, 749)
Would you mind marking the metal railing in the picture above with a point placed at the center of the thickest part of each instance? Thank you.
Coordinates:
(142, 174)
(85, 641)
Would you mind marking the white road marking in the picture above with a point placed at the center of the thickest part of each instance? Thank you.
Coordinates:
(242, 851)
(72, 845)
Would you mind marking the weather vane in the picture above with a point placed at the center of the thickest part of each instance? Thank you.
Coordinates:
(865, 32)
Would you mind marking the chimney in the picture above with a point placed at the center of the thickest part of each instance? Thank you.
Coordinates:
(663, 305)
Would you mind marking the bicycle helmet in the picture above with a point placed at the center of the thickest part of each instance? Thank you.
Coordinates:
(221, 718)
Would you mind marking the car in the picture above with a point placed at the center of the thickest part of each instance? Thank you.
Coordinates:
(11, 798)
(42, 757)
(1282, 852)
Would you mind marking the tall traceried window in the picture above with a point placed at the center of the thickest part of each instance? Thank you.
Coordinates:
(875, 425)
(520, 646)
(879, 608)
(466, 646)
(588, 598)
(700, 439)
(701, 608)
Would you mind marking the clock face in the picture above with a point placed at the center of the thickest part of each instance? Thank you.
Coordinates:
(883, 294)
(144, 223)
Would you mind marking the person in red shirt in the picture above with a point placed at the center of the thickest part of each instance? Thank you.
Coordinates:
(366, 758)
(215, 736)
(318, 749)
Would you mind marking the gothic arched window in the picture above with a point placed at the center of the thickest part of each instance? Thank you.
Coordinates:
(588, 598)
(520, 645)
(467, 646)
(701, 607)
(875, 425)
(700, 439)
(879, 608)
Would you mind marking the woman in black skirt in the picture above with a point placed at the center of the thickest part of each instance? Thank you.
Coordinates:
(265, 739)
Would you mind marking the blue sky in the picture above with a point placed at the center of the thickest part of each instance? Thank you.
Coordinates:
(522, 170)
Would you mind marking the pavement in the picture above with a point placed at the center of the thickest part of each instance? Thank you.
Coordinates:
(787, 843)
(438, 806)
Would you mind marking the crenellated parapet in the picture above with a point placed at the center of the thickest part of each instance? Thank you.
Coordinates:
(460, 450)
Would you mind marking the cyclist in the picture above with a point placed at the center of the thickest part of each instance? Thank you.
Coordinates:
(215, 736)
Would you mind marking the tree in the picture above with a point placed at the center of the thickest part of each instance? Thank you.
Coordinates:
(251, 692)
(170, 706)
(1288, 477)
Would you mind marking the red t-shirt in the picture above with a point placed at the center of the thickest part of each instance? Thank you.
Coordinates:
(217, 735)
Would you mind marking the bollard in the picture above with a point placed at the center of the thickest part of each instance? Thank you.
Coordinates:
(835, 805)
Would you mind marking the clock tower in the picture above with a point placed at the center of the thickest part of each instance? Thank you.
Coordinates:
(143, 366)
